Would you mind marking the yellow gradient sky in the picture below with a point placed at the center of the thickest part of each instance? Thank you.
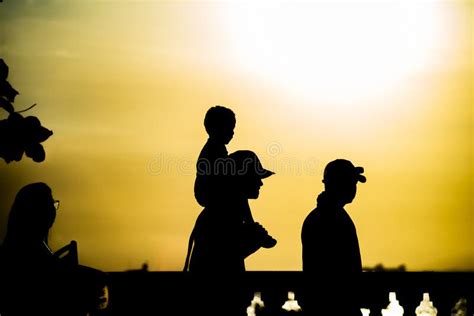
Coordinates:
(125, 85)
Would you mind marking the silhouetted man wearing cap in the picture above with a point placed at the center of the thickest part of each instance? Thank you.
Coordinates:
(224, 235)
(331, 255)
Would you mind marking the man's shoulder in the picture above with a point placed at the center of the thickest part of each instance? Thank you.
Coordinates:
(311, 220)
(318, 221)
(318, 214)
(311, 214)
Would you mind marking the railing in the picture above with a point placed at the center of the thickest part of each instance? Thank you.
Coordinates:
(168, 293)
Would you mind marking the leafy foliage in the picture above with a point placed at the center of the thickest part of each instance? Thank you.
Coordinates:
(18, 135)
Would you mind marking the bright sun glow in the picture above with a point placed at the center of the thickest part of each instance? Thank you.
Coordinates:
(335, 53)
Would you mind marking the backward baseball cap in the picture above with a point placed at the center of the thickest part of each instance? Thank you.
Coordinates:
(343, 170)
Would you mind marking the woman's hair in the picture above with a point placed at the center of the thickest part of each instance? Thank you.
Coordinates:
(32, 213)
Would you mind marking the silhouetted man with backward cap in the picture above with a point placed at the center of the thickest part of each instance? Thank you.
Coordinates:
(331, 255)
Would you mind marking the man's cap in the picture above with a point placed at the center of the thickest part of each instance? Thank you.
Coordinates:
(247, 164)
(343, 170)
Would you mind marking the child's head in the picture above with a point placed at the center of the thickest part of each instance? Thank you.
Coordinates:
(220, 123)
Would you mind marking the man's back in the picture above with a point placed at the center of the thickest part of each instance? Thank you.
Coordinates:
(331, 260)
(217, 235)
(330, 242)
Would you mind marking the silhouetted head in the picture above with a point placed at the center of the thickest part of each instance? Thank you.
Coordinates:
(340, 180)
(220, 123)
(32, 214)
(248, 173)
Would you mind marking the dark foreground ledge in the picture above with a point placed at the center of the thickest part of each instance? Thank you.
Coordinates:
(168, 293)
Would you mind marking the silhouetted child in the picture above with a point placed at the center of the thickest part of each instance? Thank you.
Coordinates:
(212, 167)
(219, 123)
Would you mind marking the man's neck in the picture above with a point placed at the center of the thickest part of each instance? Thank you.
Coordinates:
(326, 198)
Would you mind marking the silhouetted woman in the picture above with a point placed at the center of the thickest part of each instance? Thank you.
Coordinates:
(33, 278)
(31, 216)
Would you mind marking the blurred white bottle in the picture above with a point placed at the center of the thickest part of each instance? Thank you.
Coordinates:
(291, 305)
(460, 308)
(426, 307)
(365, 311)
(393, 308)
(255, 304)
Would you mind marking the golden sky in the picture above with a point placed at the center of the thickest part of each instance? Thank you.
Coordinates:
(125, 85)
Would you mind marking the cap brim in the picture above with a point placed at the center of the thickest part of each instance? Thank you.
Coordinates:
(266, 174)
(361, 178)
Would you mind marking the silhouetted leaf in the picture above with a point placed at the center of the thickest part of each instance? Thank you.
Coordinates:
(6, 105)
(13, 153)
(30, 125)
(32, 122)
(42, 134)
(16, 129)
(15, 118)
(19, 134)
(34, 132)
(36, 152)
(3, 126)
(7, 91)
(3, 70)
(3, 133)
